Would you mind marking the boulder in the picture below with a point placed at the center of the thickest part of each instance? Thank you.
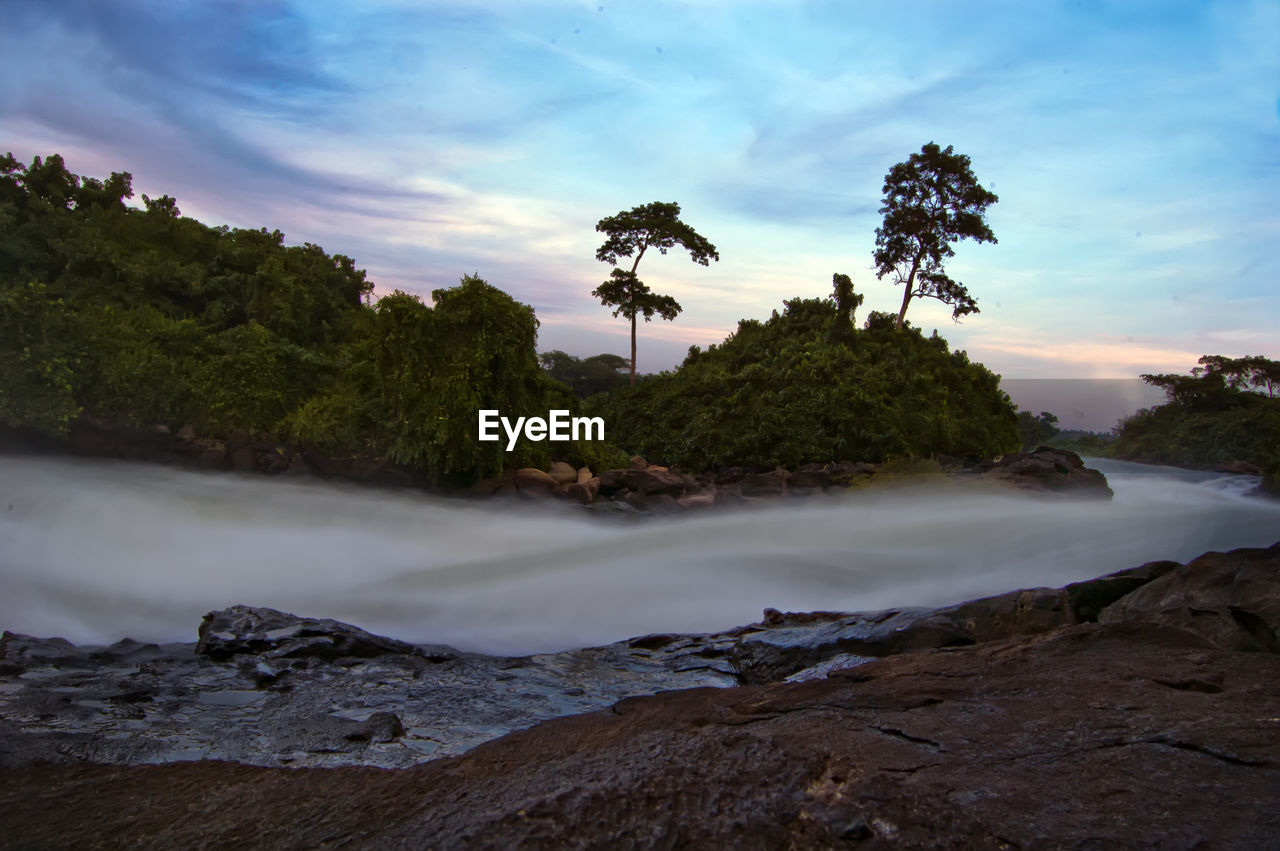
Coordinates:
(656, 481)
(772, 483)
(1047, 470)
(638, 462)
(613, 482)
(270, 633)
(533, 482)
(584, 473)
(584, 492)
(697, 500)
(1231, 598)
(563, 473)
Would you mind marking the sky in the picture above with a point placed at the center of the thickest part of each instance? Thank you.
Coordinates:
(1134, 146)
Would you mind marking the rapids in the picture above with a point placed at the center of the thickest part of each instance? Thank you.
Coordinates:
(94, 551)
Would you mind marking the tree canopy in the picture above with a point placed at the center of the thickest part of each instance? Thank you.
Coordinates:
(633, 232)
(1225, 410)
(794, 389)
(930, 201)
(146, 317)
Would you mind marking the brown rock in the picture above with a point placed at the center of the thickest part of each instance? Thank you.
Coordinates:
(655, 481)
(697, 500)
(1047, 470)
(1232, 599)
(562, 473)
(534, 482)
(772, 483)
(584, 473)
(1095, 736)
(638, 462)
(584, 492)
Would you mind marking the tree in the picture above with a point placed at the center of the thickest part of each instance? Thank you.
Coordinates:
(930, 201)
(1034, 430)
(633, 232)
(847, 303)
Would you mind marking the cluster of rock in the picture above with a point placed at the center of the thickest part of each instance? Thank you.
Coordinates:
(270, 688)
(642, 487)
(651, 487)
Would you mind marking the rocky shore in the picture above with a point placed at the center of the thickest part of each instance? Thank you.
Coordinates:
(642, 487)
(1140, 708)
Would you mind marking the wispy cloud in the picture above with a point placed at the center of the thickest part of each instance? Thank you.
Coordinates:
(1133, 146)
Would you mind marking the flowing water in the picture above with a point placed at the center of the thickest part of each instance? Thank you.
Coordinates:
(95, 551)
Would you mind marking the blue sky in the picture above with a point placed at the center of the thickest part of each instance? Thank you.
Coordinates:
(1135, 148)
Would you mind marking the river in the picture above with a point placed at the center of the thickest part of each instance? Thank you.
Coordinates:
(94, 551)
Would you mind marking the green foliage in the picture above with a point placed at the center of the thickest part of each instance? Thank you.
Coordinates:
(635, 231)
(1036, 430)
(147, 317)
(783, 392)
(438, 366)
(585, 376)
(1212, 416)
(930, 201)
(37, 368)
(1084, 442)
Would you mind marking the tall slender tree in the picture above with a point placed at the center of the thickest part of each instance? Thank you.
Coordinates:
(632, 233)
(930, 201)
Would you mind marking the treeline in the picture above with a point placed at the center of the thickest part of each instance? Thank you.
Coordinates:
(807, 386)
(146, 317)
(1225, 410)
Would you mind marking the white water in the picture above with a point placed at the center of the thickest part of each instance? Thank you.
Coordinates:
(95, 551)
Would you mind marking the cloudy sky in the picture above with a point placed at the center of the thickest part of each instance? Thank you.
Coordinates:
(1135, 148)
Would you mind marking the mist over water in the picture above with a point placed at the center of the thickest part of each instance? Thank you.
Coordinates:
(95, 551)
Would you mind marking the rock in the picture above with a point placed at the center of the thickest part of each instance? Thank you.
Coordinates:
(731, 476)
(658, 481)
(534, 482)
(638, 462)
(562, 473)
(584, 492)
(1243, 468)
(1232, 599)
(656, 502)
(1087, 599)
(274, 634)
(485, 487)
(613, 482)
(697, 500)
(772, 483)
(243, 460)
(186, 434)
(1094, 736)
(584, 473)
(1056, 471)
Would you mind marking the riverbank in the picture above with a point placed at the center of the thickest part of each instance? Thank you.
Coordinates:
(1131, 708)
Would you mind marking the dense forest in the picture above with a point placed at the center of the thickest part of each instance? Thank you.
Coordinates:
(1227, 409)
(804, 386)
(146, 317)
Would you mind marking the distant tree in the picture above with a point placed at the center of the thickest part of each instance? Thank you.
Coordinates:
(585, 376)
(1035, 430)
(633, 232)
(930, 201)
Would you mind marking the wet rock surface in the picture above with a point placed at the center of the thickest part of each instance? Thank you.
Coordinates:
(1139, 708)
(1090, 736)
